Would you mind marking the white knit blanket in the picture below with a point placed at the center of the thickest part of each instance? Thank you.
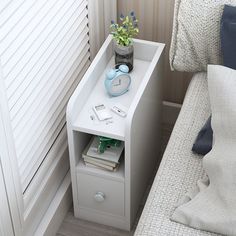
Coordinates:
(212, 206)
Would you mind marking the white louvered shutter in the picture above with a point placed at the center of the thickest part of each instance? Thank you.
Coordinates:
(44, 52)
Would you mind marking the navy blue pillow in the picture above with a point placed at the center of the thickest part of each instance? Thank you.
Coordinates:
(228, 36)
(203, 142)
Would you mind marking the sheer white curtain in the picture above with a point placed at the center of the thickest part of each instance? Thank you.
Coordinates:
(101, 12)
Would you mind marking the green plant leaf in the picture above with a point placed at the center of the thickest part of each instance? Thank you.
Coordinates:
(124, 32)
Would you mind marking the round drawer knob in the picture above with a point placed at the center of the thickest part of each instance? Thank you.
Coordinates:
(99, 197)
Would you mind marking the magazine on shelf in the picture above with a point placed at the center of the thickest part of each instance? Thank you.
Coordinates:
(100, 166)
(94, 160)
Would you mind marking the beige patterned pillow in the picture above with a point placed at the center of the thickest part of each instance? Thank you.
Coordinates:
(196, 34)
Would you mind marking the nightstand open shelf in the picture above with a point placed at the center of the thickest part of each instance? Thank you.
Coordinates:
(121, 191)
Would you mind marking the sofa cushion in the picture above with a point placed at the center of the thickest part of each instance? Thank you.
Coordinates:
(196, 34)
(228, 36)
(203, 142)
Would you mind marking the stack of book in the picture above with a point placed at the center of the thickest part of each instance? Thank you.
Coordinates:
(109, 160)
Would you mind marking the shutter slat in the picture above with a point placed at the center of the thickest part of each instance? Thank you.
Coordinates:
(33, 165)
(12, 14)
(22, 17)
(25, 50)
(27, 37)
(26, 140)
(46, 71)
(28, 28)
(43, 90)
(27, 175)
(38, 46)
(44, 51)
(7, 8)
(26, 127)
(53, 155)
(32, 148)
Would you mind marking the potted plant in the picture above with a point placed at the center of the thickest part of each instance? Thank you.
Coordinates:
(123, 34)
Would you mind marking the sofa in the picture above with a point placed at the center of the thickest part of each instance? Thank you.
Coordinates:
(180, 168)
(195, 44)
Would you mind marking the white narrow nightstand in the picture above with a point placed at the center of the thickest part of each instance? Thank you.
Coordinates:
(113, 198)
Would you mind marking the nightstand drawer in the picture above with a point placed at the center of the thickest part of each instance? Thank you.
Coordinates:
(100, 194)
